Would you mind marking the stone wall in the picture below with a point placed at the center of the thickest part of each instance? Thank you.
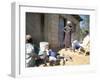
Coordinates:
(45, 27)
(51, 29)
(33, 26)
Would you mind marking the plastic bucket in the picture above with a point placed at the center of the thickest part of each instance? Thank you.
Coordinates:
(44, 45)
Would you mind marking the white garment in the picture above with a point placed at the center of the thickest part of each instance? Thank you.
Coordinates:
(29, 50)
(85, 41)
(52, 58)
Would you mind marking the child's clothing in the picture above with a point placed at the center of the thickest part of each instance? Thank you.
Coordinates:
(52, 55)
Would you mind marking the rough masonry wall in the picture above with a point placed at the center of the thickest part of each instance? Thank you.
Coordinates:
(51, 29)
(33, 26)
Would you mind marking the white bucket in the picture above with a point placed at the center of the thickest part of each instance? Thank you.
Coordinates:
(43, 45)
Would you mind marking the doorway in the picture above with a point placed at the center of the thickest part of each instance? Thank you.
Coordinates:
(61, 33)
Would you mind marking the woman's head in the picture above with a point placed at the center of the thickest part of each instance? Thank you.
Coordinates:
(29, 39)
(69, 23)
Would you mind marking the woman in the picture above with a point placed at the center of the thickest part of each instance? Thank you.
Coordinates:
(67, 39)
(30, 55)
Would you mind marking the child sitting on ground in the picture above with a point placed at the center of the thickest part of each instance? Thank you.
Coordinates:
(52, 57)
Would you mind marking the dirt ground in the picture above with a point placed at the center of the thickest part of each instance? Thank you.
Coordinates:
(77, 58)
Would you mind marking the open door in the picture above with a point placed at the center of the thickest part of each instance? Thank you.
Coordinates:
(61, 33)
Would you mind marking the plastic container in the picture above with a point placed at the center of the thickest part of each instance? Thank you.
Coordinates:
(44, 46)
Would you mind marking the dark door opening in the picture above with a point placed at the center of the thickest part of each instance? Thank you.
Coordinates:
(61, 33)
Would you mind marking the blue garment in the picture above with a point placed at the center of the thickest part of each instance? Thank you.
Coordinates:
(77, 46)
(52, 53)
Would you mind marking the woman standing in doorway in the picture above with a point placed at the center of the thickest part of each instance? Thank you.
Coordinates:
(67, 37)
